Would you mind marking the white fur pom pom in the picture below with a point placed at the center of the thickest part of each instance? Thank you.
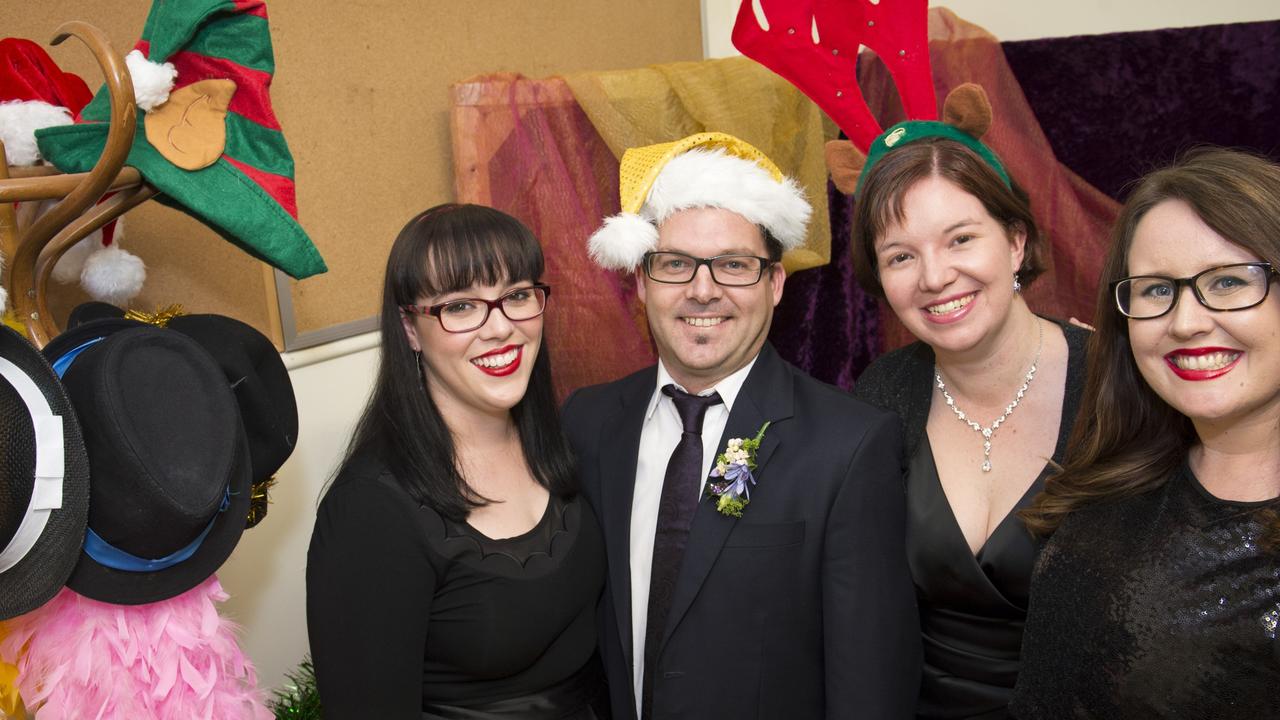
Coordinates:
(72, 261)
(152, 82)
(19, 121)
(620, 244)
(113, 276)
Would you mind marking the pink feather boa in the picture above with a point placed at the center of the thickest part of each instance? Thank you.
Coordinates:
(80, 658)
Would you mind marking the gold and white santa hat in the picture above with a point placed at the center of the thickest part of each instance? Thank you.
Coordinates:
(704, 170)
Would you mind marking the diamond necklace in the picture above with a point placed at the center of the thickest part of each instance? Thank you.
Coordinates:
(989, 432)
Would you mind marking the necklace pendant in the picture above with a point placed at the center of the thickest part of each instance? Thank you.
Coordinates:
(989, 432)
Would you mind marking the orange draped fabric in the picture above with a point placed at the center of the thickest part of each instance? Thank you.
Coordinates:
(526, 147)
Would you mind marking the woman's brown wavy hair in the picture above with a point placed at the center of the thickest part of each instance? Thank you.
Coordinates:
(1127, 440)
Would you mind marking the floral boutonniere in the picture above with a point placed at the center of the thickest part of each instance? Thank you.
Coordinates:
(733, 470)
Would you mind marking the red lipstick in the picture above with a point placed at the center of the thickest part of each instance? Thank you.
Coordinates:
(506, 369)
(1196, 375)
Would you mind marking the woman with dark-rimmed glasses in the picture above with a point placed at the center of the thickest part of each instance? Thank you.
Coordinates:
(454, 570)
(1158, 594)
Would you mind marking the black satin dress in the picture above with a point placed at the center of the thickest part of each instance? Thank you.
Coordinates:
(972, 607)
(1163, 605)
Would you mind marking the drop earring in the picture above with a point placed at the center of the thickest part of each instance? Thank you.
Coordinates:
(1017, 286)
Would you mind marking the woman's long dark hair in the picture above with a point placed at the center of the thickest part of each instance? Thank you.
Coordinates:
(445, 249)
(1128, 440)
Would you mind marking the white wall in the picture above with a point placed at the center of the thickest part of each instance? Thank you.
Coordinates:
(265, 575)
(1010, 20)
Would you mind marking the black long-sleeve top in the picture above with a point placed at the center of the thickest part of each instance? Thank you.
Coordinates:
(405, 608)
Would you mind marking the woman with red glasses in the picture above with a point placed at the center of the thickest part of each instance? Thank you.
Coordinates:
(1158, 593)
(454, 570)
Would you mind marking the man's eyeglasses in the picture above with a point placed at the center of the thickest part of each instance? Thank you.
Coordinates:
(729, 270)
(1228, 287)
(467, 314)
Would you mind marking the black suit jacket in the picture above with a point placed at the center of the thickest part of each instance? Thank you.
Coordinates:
(804, 607)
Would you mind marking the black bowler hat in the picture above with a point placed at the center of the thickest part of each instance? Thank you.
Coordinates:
(255, 372)
(44, 479)
(168, 457)
(93, 310)
(262, 388)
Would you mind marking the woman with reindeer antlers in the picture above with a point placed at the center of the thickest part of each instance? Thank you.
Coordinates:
(987, 396)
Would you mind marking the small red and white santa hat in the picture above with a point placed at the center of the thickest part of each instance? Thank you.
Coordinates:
(35, 94)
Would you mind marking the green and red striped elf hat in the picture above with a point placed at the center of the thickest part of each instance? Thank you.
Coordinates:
(243, 186)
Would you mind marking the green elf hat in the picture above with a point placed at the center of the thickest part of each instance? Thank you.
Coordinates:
(207, 138)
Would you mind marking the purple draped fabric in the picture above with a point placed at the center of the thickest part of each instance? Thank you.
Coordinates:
(826, 324)
(1117, 106)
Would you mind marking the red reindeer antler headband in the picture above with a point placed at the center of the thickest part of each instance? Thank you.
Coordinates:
(814, 45)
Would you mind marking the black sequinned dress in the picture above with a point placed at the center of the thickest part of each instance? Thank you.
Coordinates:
(1163, 605)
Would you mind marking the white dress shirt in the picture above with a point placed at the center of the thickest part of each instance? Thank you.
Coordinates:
(658, 439)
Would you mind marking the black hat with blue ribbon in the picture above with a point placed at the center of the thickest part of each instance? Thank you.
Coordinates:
(255, 372)
(44, 479)
(168, 456)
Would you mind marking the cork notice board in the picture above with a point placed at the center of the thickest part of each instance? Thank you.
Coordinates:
(362, 90)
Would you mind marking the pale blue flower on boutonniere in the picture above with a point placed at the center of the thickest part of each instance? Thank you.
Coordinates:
(733, 471)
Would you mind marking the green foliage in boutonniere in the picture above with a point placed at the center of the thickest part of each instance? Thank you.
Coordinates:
(733, 473)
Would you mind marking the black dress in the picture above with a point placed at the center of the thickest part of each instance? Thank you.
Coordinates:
(1162, 605)
(416, 617)
(972, 607)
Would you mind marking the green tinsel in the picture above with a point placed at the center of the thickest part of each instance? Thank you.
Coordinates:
(298, 700)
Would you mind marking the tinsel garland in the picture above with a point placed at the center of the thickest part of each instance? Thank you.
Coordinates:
(159, 318)
(299, 700)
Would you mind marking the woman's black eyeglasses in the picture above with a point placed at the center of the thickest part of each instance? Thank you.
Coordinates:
(1239, 286)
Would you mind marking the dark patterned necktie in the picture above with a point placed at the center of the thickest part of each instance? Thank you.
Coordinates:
(680, 489)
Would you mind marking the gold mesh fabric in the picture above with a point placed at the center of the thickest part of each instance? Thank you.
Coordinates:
(10, 702)
(641, 166)
(734, 96)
